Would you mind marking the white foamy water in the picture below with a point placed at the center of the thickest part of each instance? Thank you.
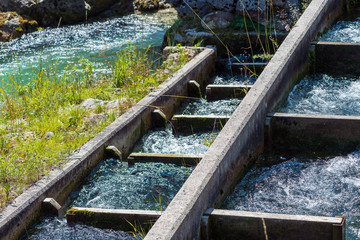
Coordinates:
(323, 94)
(320, 187)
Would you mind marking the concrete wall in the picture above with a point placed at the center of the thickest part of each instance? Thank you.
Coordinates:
(242, 136)
(122, 133)
(324, 134)
(337, 58)
(228, 224)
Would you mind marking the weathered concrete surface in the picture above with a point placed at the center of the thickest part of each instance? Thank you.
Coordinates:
(189, 124)
(179, 159)
(249, 68)
(217, 92)
(122, 133)
(228, 224)
(337, 58)
(312, 133)
(242, 136)
(117, 219)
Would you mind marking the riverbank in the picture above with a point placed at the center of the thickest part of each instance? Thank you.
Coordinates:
(43, 122)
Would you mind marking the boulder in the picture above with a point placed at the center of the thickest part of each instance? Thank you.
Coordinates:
(90, 104)
(216, 20)
(12, 25)
(199, 6)
(49, 12)
(19, 6)
(252, 8)
(224, 5)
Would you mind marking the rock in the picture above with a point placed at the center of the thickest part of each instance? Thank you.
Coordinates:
(251, 7)
(218, 19)
(199, 6)
(178, 38)
(12, 25)
(284, 12)
(113, 104)
(90, 104)
(224, 5)
(19, 6)
(49, 135)
(94, 119)
(49, 12)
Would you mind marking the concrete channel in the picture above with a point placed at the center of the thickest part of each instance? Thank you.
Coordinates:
(190, 215)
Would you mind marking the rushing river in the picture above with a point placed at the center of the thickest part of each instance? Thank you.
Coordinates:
(64, 46)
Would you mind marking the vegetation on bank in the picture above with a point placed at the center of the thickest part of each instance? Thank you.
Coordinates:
(42, 122)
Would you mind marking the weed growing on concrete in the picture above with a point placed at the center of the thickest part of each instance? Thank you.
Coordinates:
(41, 122)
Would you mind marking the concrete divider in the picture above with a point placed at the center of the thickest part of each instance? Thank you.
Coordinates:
(122, 133)
(178, 159)
(312, 133)
(242, 137)
(248, 67)
(229, 224)
(337, 58)
(188, 124)
(117, 219)
(218, 92)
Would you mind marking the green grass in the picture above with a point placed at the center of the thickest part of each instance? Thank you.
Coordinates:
(50, 103)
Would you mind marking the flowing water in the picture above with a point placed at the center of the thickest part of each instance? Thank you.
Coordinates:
(343, 31)
(116, 185)
(165, 141)
(52, 228)
(323, 94)
(97, 41)
(228, 79)
(322, 187)
(202, 107)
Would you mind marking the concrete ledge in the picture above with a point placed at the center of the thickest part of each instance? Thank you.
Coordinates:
(218, 92)
(189, 124)
(122, 134)
(117, 219)
(242, 137)
(309, 133)
(227, 224)
(337, 58)
(178, 159)
(256, 68)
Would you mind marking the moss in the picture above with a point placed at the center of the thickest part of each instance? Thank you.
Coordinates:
(19, 29)
(4, 16)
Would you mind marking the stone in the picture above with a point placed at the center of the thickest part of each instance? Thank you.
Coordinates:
(19, 6)
(49, 135)
(94, 119)
(252, 7)
(90, 103)
(146, 5)
(218, 19)
(224, 5)
(199, 6)
(12, 25)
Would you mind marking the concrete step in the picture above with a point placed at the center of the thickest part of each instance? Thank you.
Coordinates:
(230, 224)
(337, 57)
(218, 92)
(179, 159)
(248, 67)
(189, 124)
(306, 132)
(116, 219)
